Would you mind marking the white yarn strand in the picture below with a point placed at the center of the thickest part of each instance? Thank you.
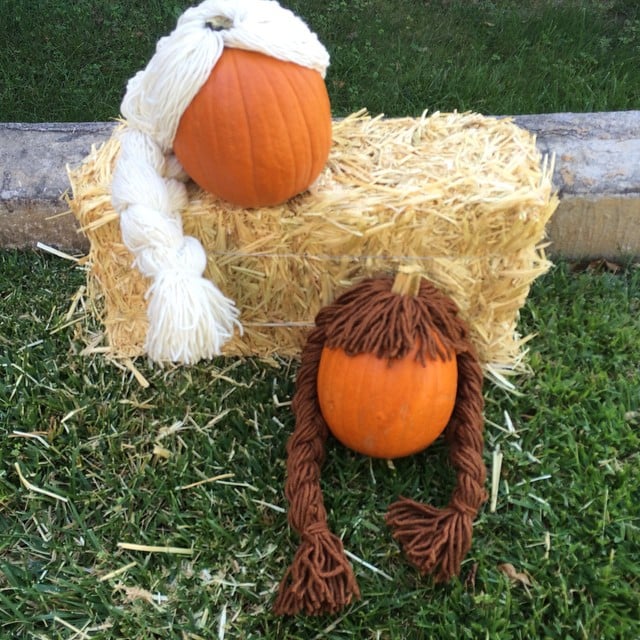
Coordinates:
(189, 318)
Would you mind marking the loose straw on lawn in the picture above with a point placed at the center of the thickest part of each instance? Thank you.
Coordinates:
(32, 487)
(117, 572)
(496, 469)
(57, 252)
(78, 633)
(367, 565)
(222, 476)
(130, 546)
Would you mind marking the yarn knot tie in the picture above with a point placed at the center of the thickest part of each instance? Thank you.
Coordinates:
(314, 530)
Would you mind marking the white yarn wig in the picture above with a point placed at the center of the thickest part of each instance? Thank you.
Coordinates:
(189, 318)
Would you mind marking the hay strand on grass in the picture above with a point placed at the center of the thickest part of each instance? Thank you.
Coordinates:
(34, 489)
(146, 548)
(117, 572)
(462, 196)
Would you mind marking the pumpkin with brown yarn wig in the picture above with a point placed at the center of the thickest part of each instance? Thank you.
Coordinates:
(387, 368)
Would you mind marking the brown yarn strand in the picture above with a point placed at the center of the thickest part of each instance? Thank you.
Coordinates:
(371, 318)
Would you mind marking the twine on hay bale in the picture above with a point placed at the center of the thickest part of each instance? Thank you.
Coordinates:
(461, 196)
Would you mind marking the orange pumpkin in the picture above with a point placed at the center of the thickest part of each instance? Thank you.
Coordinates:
(258, 132)
(385, 408)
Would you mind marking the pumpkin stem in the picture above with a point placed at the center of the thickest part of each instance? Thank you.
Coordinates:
(219, 23)
(320, 578)
(407, 281)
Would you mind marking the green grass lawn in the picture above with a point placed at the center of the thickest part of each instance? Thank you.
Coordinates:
(196, 462)
(71, 61)
(91, 462)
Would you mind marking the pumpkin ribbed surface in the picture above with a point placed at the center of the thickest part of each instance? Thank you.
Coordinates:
(385, 408)
(258, 132)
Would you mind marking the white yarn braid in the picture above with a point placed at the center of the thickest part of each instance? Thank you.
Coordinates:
(189, 318)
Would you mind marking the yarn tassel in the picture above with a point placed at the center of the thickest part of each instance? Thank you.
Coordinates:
(320, 579)
(189, 318)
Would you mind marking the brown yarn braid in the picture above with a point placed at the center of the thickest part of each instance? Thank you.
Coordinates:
(372, 318)
(320, 579)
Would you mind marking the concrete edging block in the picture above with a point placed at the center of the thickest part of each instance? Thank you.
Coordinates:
(597, 176)
(33, 179)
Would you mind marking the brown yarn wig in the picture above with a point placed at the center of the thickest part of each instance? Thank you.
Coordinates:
(375, 317)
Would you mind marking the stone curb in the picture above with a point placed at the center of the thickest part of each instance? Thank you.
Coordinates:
(597, 176)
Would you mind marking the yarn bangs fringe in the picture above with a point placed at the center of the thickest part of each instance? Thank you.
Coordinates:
(462, 197)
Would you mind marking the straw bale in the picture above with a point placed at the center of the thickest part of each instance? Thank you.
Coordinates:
(464, 197)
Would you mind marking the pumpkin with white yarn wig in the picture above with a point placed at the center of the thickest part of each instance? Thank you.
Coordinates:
(235, 99)
(258, 132)
(387, 368)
